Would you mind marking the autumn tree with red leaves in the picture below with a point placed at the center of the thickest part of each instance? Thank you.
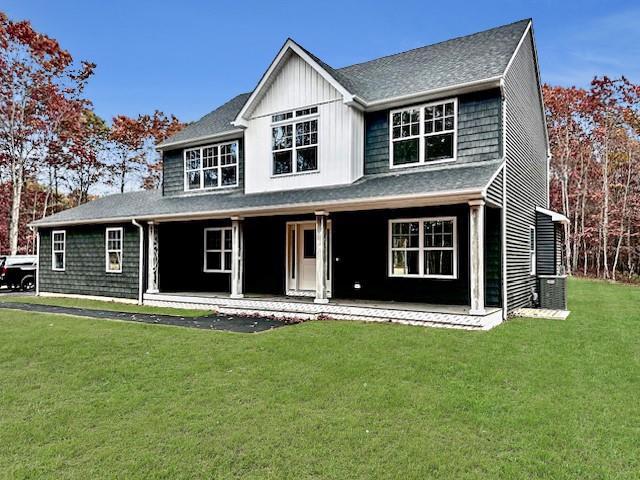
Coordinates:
(40, 88)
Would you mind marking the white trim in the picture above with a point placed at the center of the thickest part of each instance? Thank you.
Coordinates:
(38, 262)
(493, 177)
(107, 250)
(293, 226)
(89, 297)
(54, 251)
(445, 197)
(226, 135)
(218, 167)
(533, 251)
(515, 52)
(281, 57)
(421, 136)
(421, 248)
(140, 261)
(555, 216)
(222, 250)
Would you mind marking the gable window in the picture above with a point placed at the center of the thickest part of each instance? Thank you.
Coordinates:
(58, 248)
(294, 141)
(217, 249)
(424, 134)
(113, 255)
(532, 250)
(423, 247)
(211, 166)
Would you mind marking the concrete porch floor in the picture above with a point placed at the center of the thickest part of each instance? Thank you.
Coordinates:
(447, 316)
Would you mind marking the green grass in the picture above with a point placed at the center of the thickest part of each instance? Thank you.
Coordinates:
(102, 305)
(552, 399)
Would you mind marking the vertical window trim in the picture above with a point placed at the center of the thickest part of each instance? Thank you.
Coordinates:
(421, 248)
(54, 251)
(107, 250)
(293, 121)
(223, 267)
(533, 253)
(422, 135)
(219, 167)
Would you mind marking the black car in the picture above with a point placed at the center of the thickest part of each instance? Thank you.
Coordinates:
(18, 272)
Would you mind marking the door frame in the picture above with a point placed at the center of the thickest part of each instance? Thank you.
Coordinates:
(292, 284)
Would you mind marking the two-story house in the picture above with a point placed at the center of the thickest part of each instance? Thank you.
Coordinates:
(409, 188)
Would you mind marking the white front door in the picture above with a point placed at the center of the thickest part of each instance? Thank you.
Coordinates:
(301, 258)
(307, 257)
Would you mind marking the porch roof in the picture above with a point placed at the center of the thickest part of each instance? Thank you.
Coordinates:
(419, 186)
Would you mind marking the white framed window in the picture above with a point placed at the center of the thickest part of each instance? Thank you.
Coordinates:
(58, 250)
(217, 249)
(294, 141)
(114, 238)
(423, 134)
(532, 250)
(423, 247)
(211, 166)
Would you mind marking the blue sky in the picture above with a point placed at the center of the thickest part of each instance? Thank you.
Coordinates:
(186, 57)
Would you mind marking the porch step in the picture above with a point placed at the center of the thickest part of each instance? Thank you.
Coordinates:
(312, 311)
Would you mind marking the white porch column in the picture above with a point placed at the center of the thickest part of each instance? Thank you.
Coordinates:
(476, 257)
(237, 260)
(322, 261)
(152, 258)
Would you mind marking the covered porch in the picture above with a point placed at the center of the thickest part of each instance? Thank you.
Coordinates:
(366, 264)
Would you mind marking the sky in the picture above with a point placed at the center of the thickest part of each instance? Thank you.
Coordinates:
(187, 57)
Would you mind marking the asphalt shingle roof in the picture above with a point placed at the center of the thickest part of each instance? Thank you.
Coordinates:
(150, 203)
(479, 56)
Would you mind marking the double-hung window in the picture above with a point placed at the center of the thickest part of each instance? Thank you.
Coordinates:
(217, 249)
(211, 166)
(532, 250)
(294, 141)
(424, 134)
(423, 247)
(113, 255)
(58, 247)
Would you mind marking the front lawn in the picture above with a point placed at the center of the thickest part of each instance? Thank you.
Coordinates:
(553, 399)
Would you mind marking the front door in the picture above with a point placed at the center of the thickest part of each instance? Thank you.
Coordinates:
(301, 257)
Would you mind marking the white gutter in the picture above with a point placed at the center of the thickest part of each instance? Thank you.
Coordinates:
(140, 261)
(555, 216)
(203, 138)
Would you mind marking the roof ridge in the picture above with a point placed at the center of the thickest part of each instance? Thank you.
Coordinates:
(529, 19)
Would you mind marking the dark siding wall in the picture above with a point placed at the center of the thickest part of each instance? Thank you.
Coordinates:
(181, 254)
(493, 257)
(494, 192)
(545, 245)
(360, 254)
(526, 171)
(85, 263)
(173, 171)
(479, 132)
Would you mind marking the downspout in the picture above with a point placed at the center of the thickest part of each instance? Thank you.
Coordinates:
(140, 261)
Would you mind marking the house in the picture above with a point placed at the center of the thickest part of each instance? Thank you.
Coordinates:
(410, 188)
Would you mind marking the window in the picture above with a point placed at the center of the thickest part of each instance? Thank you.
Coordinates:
(113, 256)
(217, 249)
(211, 166)
(424, 134)
(532, 250)
(423, 247)
(58, 246)
(294, 144)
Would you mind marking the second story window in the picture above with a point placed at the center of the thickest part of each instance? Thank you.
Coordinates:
(424, 134)
(294, 141)
(211, 166)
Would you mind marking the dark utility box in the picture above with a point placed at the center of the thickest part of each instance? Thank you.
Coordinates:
(553, 291)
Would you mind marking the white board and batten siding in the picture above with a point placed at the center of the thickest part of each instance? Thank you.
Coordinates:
(340, 131)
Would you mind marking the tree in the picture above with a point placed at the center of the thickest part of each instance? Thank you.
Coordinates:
(161, 128)
(39, 86)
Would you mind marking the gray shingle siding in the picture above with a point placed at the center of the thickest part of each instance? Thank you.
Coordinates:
(526, 171)
(84, 272)
(479, 132)
(173, 170)
(545, 245)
